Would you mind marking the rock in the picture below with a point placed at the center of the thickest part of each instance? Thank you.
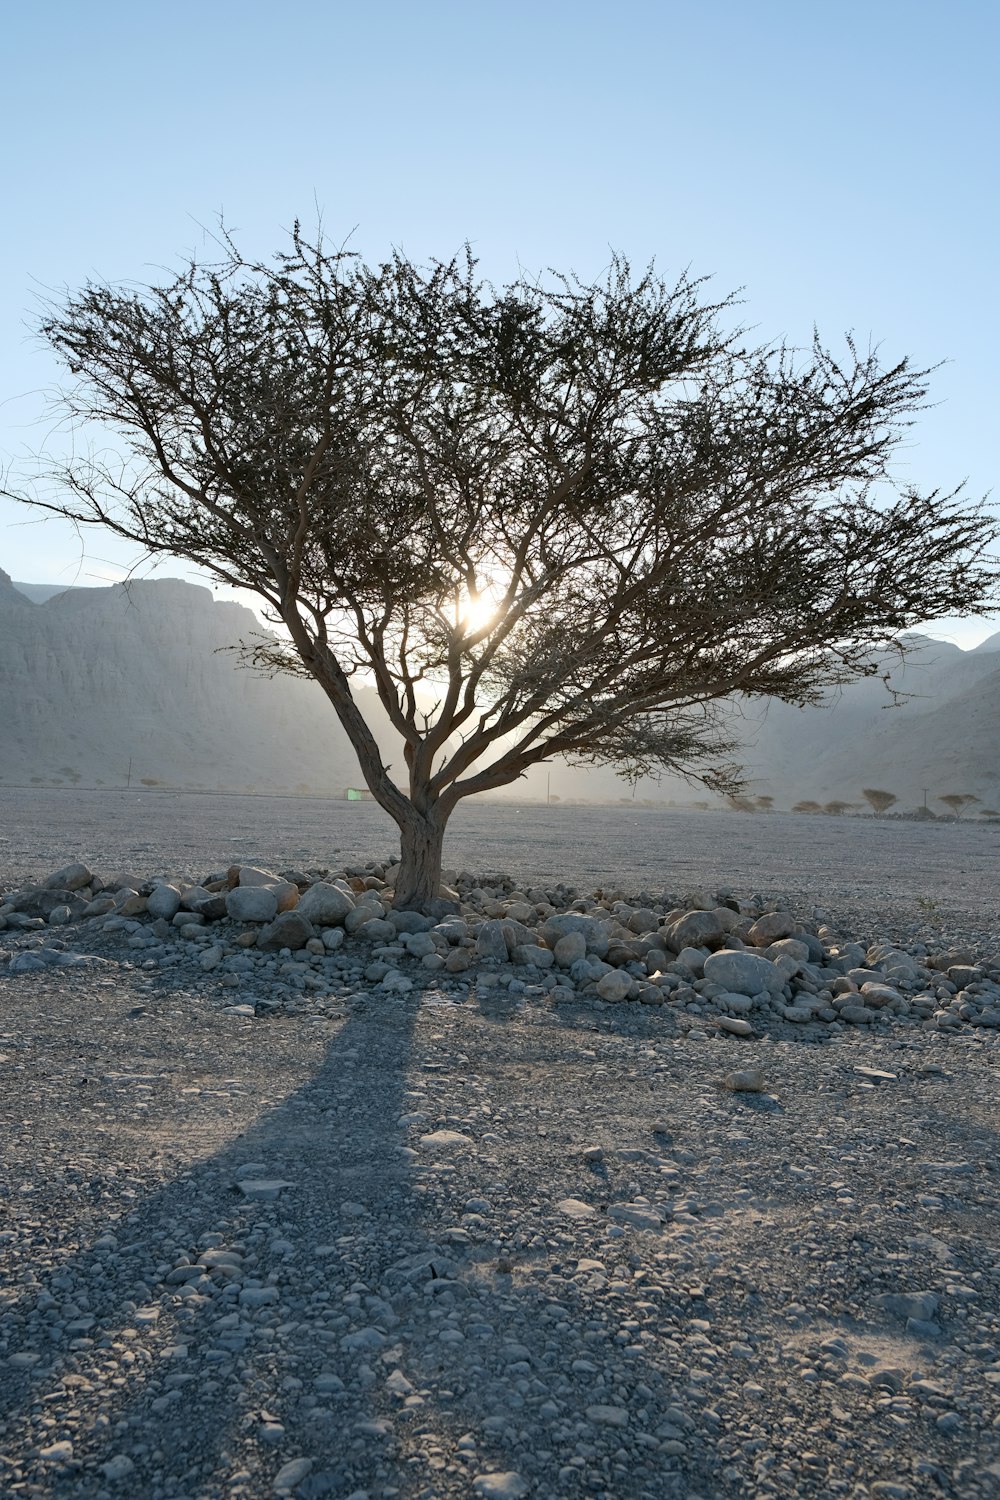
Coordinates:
(531, 953)
(410, 921)
(638, 1215)
(506, 1486)
(614, 986)
(447, 1140)
(263, 1189)
(857, 1015)
(607, 1416)
(59, 916)
(575, 1208)
(363, 913)
(745, 973)
(164, 901)
(332, 938)
(325, 905)
(458, 961)
(788, 948)
(288, 930)
(735, 1025)
(291, 1474)
(643, 920)
(70, 878)
(595, 932)
(770, 928)
(570, 947)
(250, 875)
(117, 1468)
(878, 995)
(287, 895)
(920, 1305)
(57, 1453)
(418, 944)
(745, 1081)
(695, 929)
(251, 903)
(491, 942)
(693, 960)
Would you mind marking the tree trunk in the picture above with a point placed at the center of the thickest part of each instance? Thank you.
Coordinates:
(418, 880)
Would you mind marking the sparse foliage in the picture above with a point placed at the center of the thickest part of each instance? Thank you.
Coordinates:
(957, 802)
(764, 803)
(556, 518)
(808, 806)
(879, 801)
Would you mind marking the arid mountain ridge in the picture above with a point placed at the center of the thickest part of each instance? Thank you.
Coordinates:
(105, 685)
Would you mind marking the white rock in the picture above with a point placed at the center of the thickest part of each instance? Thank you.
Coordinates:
(507, 1486)
(447, 1140)
(252, 903)
(746, 973)
(575, 1208)
(254, 875)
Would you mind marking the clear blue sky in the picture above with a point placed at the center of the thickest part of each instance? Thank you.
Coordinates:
(837, 161)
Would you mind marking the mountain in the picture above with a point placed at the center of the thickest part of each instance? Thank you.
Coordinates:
(95, 679)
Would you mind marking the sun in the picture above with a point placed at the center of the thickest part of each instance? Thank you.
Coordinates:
(480, 609)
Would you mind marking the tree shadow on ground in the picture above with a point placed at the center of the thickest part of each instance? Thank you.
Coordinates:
(389, 1323)
(423, 1292)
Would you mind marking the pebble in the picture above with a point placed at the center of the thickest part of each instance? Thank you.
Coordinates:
(744, 1081)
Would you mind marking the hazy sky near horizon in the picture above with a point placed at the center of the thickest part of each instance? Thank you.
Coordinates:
(837, 162)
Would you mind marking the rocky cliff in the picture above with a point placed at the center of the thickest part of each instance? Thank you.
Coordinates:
(93, 679)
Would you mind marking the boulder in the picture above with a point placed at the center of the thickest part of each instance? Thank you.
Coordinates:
(164, 901)
(254, 875)
(570, 947)
(69, 878)
(695, 929)
(251, 903)
(288, 930)
(771, 927)
(614, 986)
(491, 942)
(326, 905)
(746, 973)
(595, 932)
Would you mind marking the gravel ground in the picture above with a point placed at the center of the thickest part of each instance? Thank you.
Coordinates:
(876, 873)
(503, 1247)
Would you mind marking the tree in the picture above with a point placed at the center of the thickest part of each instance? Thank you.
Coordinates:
(554, 519)
(807, 806)
(957, 802)
(836, 808)
(879, 802)
(737, 803)
(764, 803)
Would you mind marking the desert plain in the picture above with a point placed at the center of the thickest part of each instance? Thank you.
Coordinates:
(476, 1235)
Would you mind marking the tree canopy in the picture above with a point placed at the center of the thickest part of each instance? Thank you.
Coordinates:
(552, 518)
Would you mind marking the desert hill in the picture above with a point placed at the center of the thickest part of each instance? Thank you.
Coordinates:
(92, 679)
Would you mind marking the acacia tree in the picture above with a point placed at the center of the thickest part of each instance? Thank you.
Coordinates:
(957, 802)
(879, 801)
(556, 518)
